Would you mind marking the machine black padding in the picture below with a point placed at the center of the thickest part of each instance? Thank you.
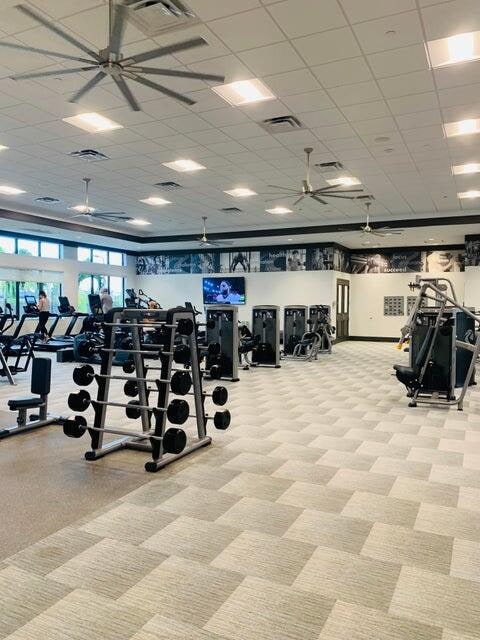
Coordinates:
(41, 376)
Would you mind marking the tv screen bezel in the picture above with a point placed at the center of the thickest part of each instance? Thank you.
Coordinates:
(220, 278)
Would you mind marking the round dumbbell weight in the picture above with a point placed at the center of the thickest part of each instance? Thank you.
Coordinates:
(79, 401)
(87, 348)
(75, 427)
(84, 375)
(180, 384)
(178, 411)
(182, 354)
(222, 419)
(130, 388)
(128, 366)
(219, 396)
(126, 343)
(185, 326)
(214, 349)
(174, 440)
(215, 372)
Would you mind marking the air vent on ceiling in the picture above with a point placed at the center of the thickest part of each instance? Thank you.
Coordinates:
(168, 186)
(232, 210)
(88, 154)
(154, 17)
(329, 167)
(47, 200)
(281, 124)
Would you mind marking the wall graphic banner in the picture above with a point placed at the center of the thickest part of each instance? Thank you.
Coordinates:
(472, 252)
(341, 260)
(205, 263)
(320, 259)
(240, 262)
(395, 262)
(179, 263)
(445, 261)
(296, 260)
(273, 260)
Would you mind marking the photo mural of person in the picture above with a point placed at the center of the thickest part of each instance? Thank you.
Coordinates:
(445, 261)
(319, 259)
(205, 262)
(472, 251)
(273, 260)
(296, 260)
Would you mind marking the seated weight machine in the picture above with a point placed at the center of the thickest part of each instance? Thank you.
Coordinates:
(265, 350)
(444, 346)
(221, 328)
(321, 324)
(164, 444)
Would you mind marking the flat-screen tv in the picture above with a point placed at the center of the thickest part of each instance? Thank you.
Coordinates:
(224, 290)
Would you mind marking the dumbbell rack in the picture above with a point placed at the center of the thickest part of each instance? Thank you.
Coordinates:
(137, 320)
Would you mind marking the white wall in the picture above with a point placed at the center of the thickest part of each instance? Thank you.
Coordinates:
(472, 287)
(366, 300)
(279, 288)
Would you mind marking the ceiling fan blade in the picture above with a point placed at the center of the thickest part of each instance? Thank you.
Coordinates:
(88, 87)
(160, 88)
(80, 215)
(120, 13)
(111, 218)
(275, 186)
(45, 52)
(177, 74)
(46, 74)
(314, 197)
(109, 213)
(299, 200)
(127, 94)
(332, 195)
(165, 51)
(59, 32)
(325, 190)
(376, 233)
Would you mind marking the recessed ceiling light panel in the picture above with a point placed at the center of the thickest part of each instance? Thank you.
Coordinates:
(81, 208)
(3, 147)
(244, 92)
(344, 181)
(463, 169)
(279, 211)
(462, 127)
(93, 122)
(10, 191)
(154, 201)
(184, 165)
(241, 192)
(462, 47)
(469, 194)
(139, 222)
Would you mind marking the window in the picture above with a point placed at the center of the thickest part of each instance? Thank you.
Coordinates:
(8, 293)
(27, 247)
(92, 283)
(115, 287)
(84, 288)
(50, 250)
(115, 258)
(7, 245)
(84, 254)
(100, 256)
(53, 291)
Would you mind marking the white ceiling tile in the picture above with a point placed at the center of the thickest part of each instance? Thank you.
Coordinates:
(185, 124)
(398, 61)
(461, 112)
(410, 104)
(65, 8)
(208, 136)
(224, 117)
(210, 9)
(457, 75)
(421, 133)
(245, 130)
(341, 72)
(416, 119)
(306, 102)
(376, 35)
(175, 143)
(303, 17)
(406, 84)
(247, 30)
(292, 82)
(377, 125)
(322, 118)
(367, 111)
(151, 130)
(262, 144)
(333, 132)
(446, 19)
(355, 93)
(459, 96)
(265, 60)
(328, 46)
(360, 11)
(226, 148)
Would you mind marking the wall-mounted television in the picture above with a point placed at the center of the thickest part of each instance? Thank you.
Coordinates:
(224, 290)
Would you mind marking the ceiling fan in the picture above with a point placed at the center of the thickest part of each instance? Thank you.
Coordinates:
(380, 232)
(109, 62)
(89, 213)
(205, 242)
(315, 194)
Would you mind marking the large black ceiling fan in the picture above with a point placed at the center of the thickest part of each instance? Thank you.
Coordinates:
(315, 194)
(109, 62)
(89, 213)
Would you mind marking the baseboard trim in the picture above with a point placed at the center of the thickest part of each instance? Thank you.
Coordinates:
(373, 339)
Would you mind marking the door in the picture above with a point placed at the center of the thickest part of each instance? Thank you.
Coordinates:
(343, 308)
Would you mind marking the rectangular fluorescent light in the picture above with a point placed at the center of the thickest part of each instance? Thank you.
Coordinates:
(3, 147)
(279, 211)
(155, 202)
(469, 194)
(139, 222)
(81, 208)
(184, 165)
(241, 192)
(462, 127)
(10, 191)
(244, 92)
(462, 169)
(344, 181)
(462, 47)
(93, 122)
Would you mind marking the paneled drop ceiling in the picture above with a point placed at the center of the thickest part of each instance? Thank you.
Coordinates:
(353, 72)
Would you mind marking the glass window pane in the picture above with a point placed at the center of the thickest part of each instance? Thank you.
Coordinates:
(84, 254)
(98, 282)
(8, 293)
(27, 289)
(53, 291)
(50, 250)
(116, 290)
(100, 256)
(27, 247)
(84, 289)
(7, 245)
(115, 258)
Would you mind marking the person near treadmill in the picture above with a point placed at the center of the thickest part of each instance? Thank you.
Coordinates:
(106, 300)
(43, 315)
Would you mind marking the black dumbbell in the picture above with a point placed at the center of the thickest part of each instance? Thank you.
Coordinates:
(84, 375)
(179, 413)
(215, 372)
(185, 326)
(79, 401)
(87, 348)
(180, 384)
(174, 439)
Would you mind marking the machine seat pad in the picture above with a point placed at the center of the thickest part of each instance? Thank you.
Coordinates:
(405, 374)
(32, 402)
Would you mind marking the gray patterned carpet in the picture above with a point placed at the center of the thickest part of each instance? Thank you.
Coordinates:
(329, 511)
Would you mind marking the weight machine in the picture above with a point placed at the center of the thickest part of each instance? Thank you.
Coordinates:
(444, 345)
(294, 327)
(222, 328)
(266, 337)
(321, 324)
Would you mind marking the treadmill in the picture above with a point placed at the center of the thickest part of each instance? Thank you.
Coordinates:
(61, 332)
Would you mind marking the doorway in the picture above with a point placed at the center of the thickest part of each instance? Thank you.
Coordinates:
(343, 309)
